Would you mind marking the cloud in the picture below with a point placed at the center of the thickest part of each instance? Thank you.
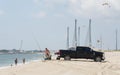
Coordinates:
(41, 14)
(94, 8)
(81, 8)
(2, 12)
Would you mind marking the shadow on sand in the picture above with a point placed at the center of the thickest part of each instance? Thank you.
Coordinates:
(83, 60)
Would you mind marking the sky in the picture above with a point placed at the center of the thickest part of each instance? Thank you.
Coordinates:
(43, 24)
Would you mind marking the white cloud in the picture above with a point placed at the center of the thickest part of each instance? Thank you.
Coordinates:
(2, 12)
(41, 14)
(93, 8)
(82, 8)
(115, 4)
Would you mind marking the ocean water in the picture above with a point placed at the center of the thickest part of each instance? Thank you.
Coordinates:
(8, 59)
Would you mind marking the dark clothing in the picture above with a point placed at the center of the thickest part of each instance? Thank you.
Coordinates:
(24, 61)
(16, 61)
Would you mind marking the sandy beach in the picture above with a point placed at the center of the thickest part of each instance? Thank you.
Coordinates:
(111, 66)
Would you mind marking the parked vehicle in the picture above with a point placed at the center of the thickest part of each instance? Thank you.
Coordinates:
(80, 52)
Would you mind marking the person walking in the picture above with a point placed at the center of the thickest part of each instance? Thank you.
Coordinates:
(16, 61)
(23, 60)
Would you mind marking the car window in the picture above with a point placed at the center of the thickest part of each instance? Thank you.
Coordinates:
(72, 48)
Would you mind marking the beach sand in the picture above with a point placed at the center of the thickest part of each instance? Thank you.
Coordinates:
(111, 66)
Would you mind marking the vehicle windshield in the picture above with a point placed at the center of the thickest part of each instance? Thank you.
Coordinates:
(72, 48)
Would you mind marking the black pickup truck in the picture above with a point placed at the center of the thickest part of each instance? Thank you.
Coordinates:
(80, 52)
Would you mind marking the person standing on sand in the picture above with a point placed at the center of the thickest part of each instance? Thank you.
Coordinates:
(16, 61)
(23, 60)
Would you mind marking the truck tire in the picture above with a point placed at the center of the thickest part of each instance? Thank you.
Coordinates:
(98, 59)
(67, 58)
